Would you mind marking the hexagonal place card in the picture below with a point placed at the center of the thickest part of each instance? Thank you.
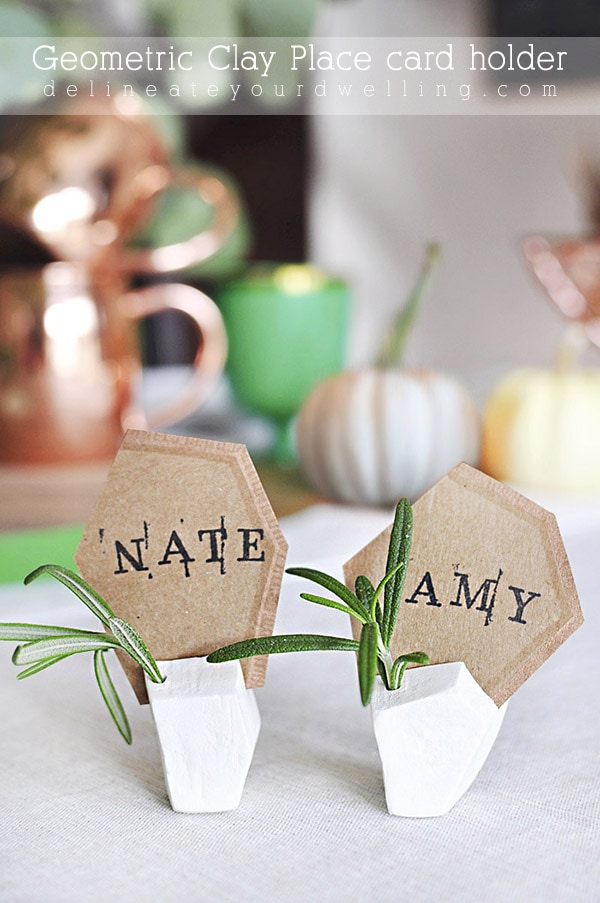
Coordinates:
(488, 582)
(184, 544)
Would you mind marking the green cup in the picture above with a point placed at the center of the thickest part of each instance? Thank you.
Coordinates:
(286, 326)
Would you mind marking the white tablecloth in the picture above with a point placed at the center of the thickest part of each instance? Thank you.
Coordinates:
(83, 817)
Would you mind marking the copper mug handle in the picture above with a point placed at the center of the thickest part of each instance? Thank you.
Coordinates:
(199, 247)
(82, 185)
(210, 355)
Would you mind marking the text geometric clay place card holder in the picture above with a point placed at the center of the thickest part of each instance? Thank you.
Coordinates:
(184, 545)
(489, 595)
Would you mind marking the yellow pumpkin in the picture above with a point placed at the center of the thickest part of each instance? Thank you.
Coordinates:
(541, 428)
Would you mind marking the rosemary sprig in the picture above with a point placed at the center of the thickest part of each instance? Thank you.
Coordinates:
(43, 645)
(378, 620)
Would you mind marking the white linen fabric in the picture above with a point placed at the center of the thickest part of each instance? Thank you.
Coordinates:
(84, 817)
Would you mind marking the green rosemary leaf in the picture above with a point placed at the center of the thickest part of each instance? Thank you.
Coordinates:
(367, 660)
(365, 591)
(399, 666)
(131, 642)
(397, 673)
(331, 603)
(21, 633)
(270, 645)
(77, 585)
(40, 666)
(398, 556)
(110, 696)
(394, 549)
(334, 586)
(382, 585)
(52, 647)
(383, 674)
(419, 658)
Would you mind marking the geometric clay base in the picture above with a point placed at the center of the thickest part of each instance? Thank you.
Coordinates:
(208, 725)
(433, 735)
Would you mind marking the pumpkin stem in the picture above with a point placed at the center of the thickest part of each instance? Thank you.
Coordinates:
(392, 348)
(570, 348)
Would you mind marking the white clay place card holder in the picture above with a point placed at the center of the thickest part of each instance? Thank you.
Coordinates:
(184, 545)
(208, 724)
(489, 595)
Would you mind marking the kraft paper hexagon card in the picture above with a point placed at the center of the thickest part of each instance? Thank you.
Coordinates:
(488, 581)
(184, 545)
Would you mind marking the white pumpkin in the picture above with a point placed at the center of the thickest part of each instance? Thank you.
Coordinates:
(375, 435)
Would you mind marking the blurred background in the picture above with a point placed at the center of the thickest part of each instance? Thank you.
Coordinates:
(359, 200)
(478, 185)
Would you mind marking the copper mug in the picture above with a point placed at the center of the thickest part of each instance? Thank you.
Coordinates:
(82, 183)
(70, 361)
(569, 271)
